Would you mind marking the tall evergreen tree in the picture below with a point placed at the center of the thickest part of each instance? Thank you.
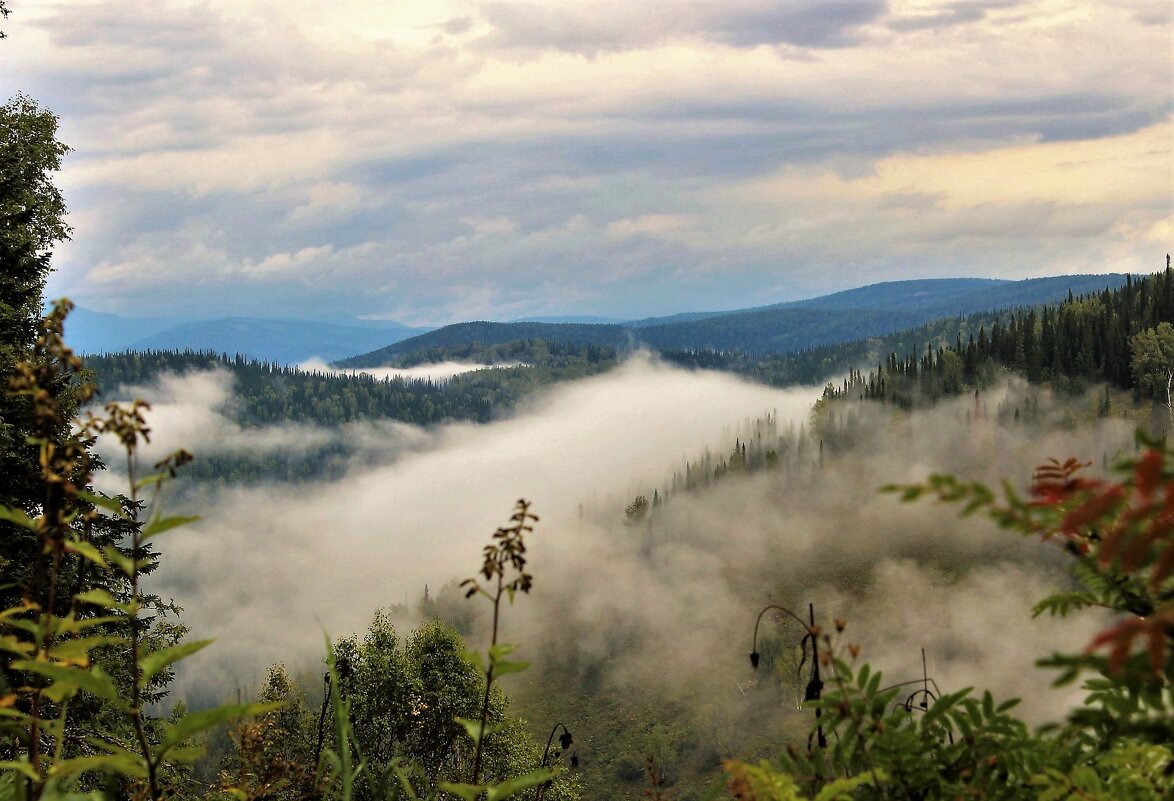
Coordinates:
(32, 221)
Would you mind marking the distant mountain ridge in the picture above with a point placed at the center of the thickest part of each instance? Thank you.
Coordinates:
(284, 341)
(871, 310)
(794, 325)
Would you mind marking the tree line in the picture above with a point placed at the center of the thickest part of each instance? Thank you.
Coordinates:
(1085, 339)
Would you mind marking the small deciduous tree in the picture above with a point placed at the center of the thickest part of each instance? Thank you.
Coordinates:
(1153, 362)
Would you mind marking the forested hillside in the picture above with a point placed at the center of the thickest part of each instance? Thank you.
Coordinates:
(1084, 339)
(268, 393)
(854, 314)
(1119, 337)
(485, 334)
(862, 313)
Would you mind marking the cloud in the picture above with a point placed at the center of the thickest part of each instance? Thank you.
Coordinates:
(588, 28)
(268, 567)
(959, 12)
(436, 371)
(503, 155)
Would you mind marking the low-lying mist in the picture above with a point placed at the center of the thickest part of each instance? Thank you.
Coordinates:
(668, 601)
(432, 371)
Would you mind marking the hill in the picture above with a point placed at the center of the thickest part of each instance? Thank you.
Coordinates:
(281, 340)
(284, 341)
(869, 311)
(89, 331)
(488, 333)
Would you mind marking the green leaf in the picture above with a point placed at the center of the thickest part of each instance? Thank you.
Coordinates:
(519, 784)
(473, 659)
(187, 753)
(473, 727)
(151, 480)
(161, 525)
(505, 668)
(77, 650)
(67, 681)
(469, 792)
(20, 767)
(496, 652)
(14, 645)
(99, 598)
(152, 663)
(87, 551)
(72, 625)
(127, 764)
(121, 560)
(192, 724)
(17, 517)
(844, 789)
(112, 505)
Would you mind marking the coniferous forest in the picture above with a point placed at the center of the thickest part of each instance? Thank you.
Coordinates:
(935, 561)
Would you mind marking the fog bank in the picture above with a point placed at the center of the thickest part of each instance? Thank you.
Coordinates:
(669, 601)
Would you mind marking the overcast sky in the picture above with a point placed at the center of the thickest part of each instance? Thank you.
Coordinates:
(432, 160)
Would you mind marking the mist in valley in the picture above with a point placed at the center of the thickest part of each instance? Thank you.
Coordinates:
(657, 610)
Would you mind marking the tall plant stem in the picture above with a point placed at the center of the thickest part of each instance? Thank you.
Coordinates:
(488, 680)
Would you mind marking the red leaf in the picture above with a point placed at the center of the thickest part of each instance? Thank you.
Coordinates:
(1094, 509)
(1162, 569)
(1148, 472)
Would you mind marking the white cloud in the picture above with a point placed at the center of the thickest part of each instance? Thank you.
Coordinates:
(268, 567)
(434, 371)
(244, 130)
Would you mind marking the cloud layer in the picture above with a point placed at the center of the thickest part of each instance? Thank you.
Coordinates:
(268, 568)
(466, 159)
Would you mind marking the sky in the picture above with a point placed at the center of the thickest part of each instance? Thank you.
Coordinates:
(430, 162)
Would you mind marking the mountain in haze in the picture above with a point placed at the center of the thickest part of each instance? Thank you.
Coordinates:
(865, 312)
(573, 318)
(794, 325)
(277, 340)
(88, 331)
(490, 333)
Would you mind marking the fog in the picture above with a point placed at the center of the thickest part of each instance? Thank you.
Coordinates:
(432, 371)
(669, 601)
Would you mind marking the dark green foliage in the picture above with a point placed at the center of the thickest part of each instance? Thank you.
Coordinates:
(270, 394)
(482, 334)
(1084, 339)
(814, 365)
(404, 697)
(32, 221)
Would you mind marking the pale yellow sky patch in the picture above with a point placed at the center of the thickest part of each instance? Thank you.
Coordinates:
(1131, 169)
(1134, 168)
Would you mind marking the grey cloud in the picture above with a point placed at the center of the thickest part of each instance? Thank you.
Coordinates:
(458, 25)
(957, 13)
(147, 26)
(740, 23)
(167, 81)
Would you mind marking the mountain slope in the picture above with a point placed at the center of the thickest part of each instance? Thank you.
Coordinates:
(487, 333)
(88, 331)
(796, 325)
(285, 341)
